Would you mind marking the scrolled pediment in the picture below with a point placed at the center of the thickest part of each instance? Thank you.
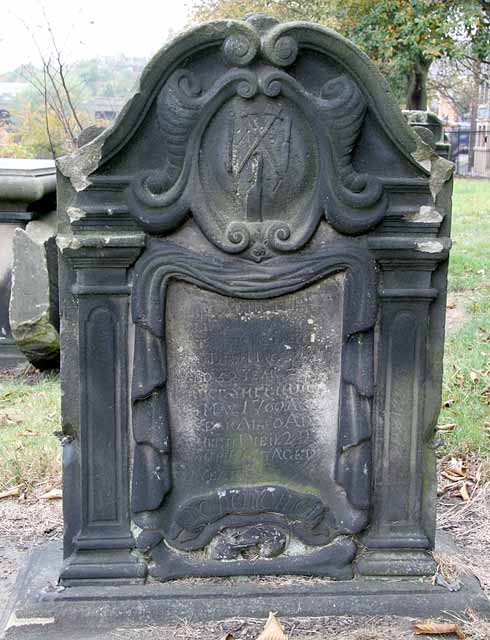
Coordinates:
(253, 148)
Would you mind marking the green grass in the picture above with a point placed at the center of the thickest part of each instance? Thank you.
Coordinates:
(32, 403)
(467, 356)
(469, 264)
(29, 414)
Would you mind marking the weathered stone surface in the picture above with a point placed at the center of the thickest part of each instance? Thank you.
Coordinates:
(27, 191)
(34, 308)
(99, 612)
(431, 129)
(254, 265)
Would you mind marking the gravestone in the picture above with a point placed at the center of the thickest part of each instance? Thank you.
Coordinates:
(431, 129)
(253, 285)
(34, 308)
(255, 260)
(27, 193)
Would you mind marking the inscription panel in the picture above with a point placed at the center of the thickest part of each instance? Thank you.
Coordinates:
(253, 389)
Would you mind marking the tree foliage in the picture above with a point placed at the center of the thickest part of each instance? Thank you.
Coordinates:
(28, 137)
(29, 132)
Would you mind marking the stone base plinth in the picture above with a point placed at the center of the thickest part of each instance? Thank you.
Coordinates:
(40, 609)
(11, 357)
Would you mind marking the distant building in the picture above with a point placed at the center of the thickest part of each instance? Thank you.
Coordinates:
(107, 108)
(444, 109)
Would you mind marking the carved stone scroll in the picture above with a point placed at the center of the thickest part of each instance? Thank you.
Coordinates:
(287, 156)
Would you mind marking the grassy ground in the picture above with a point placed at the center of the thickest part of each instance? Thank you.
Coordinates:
(466, 392)
(29, 414)
(29, 405)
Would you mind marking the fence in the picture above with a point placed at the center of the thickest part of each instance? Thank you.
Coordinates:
(470, 151)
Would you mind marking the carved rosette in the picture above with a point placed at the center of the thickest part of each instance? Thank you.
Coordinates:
(284, 153)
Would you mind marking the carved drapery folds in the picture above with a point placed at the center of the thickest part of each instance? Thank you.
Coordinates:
(285, 153)
(199, 519)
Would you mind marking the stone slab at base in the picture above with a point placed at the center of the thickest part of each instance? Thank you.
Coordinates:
(40, 610)
(11, 357)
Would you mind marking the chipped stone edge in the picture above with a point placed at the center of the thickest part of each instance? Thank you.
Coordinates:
(81, 163)
(14, 622)
(430, 246)
(425, 215)
(441, 170)
(73, 242)
(75, 214)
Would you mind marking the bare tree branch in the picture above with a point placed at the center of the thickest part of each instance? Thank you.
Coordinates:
(60, 70)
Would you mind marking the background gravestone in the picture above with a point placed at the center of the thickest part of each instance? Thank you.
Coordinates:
(253, 283)
(34, 308)
(27, 193)
(431, 128)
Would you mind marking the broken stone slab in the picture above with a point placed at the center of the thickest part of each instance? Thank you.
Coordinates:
(27, 192)
(34, 310)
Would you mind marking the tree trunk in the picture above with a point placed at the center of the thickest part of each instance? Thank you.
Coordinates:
(475, 86)
(417, 85)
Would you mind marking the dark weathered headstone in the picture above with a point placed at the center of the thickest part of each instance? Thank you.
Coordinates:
(27, 192)
(253, 298)
(285, 336)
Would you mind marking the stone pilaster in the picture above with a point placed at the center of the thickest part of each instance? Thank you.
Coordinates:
(96, 449)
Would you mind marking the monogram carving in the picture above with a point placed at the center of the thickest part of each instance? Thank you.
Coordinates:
(286, 154)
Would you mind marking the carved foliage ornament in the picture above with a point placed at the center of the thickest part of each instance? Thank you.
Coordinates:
(255, 157)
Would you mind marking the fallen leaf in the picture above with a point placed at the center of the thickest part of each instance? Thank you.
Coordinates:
(456, 466)
(448, 402)
(54, 494)
(28, 433)
(273, 629)
(451, 305)
(437, 628)
(464, 492)
(446, 427)
(474, 376)
(10, 493)
(6, 420)
(449, 476)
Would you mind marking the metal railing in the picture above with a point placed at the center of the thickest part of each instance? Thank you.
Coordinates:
(470, 150)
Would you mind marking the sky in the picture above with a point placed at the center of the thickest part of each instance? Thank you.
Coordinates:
(87, 28)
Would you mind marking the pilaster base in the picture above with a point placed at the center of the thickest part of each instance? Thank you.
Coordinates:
(108, 567)
(396, 562)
